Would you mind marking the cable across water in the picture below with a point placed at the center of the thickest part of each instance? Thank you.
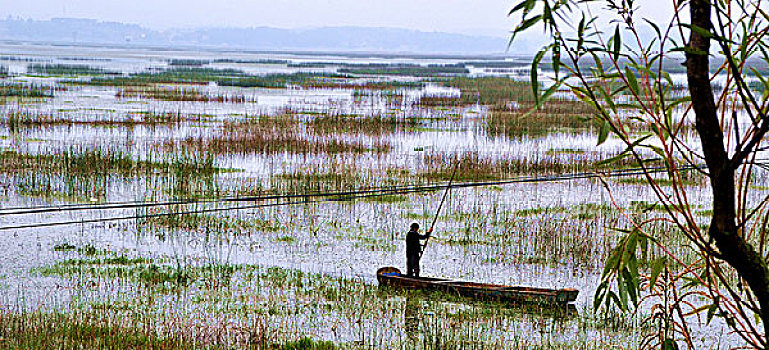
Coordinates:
(296, 198)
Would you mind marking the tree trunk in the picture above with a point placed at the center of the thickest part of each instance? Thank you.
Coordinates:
(738, 253)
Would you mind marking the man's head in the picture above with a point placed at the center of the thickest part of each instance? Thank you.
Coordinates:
(415, 226)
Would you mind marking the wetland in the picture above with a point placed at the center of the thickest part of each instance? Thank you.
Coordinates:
(215, 200)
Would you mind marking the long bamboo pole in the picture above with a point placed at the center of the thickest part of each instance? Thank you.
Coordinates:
(438, 212)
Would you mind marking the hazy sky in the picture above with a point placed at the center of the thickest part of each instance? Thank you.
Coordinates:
(488, 17)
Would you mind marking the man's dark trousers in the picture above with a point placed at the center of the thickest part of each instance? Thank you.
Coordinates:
(412, 264)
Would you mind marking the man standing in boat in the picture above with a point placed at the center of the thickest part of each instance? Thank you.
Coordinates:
(414, 249)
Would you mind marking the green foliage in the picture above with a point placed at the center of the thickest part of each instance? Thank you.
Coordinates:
(622, 267)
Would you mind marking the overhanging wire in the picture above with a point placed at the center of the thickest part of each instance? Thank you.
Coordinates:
(303, 198)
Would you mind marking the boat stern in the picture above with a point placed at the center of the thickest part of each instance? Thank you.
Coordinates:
(383, 272)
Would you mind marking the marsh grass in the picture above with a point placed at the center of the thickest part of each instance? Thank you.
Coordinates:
(471, 166)
(689, 179)
(264, 306)
(375, 125)
(67, 69)
(177, 218)
(317, 180)
(308, 344)
(26, 90)
(557, 151)
(28, 119)
(518, 124)
(386, 199)
(190, 222)
(492, 91)
(89, 162)
(58, 330)
(405, 70)
(340, 174)
(179, 93)
(84, 175)
(584, 211)
(66, 187)
(439, 101)
(269, 135)
(149, 273)
(514, 112)
(232, 77)
(173, 75)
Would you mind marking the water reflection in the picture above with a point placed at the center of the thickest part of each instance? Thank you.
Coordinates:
(412, 314)
(430, 316)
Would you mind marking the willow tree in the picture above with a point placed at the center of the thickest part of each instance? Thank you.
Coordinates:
(625, 74)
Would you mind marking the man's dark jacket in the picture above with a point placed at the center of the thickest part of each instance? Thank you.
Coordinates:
(413, 247)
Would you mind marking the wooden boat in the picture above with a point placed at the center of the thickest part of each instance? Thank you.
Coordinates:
(391, 276)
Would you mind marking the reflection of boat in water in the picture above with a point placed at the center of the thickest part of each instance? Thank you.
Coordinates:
(415, 301)
(391, 276)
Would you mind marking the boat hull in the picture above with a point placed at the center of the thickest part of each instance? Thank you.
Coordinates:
(391, 276)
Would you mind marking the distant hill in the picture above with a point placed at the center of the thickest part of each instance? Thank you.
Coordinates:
(343, 39)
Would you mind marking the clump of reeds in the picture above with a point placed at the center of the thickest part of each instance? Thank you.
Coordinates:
(266, 135)
(188, 62)
(26, 90)
(174, 75)
(471, 166)
(80, 188)
(406, 69)
(21, 118)
(493, 91)
(374, 125)
(439, 101)
(153, 118)
(179, 94)
(40, 330)
(230, 77)
(519, 123)
(177, 218)
(77, 161)
(67, 69)
(335, 174)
